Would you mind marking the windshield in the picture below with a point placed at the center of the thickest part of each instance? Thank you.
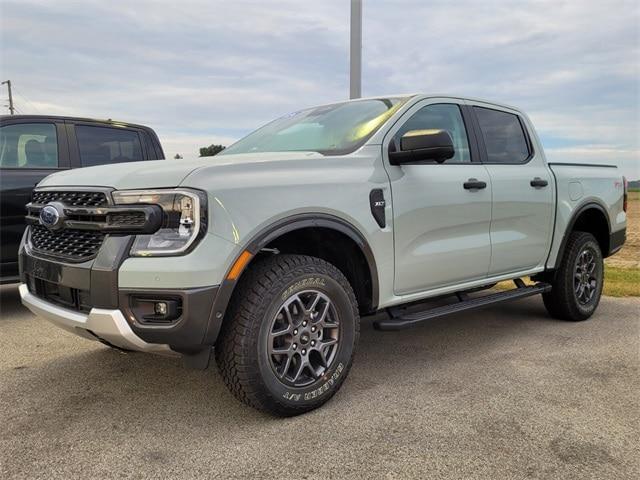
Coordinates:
(334, 129)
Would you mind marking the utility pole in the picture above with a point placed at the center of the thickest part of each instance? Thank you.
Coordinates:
(355, 70)
(11, 109)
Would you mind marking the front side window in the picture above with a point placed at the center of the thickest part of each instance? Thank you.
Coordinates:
(503, 136)
(335, 129)
(441, 116)
(29, 145)
(103, 145)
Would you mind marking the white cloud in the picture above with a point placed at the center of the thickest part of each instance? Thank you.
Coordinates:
(201, 70)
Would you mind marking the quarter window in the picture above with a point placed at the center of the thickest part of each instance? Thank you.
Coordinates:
(29, 145)
(441, 116)
(103, 145)
(503, 136)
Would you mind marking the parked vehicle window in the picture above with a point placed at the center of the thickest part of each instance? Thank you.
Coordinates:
(503, 135)
(441, 116)
(29, 145)
(103, 145)
(151, 153)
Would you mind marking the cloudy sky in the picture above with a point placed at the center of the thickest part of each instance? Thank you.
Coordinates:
(205, 71)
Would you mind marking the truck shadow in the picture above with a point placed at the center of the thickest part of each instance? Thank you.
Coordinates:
(10, 301)
(139, 389)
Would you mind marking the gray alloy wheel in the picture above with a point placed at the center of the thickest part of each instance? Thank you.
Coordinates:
(304, 338)
(585, 281)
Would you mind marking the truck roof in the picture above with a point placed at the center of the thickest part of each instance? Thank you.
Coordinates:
(76, 119)
(431, 95)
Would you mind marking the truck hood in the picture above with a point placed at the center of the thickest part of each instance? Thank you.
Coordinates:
(160, 173)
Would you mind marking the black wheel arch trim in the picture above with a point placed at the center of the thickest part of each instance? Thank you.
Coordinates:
(591, 204)
(274, 231)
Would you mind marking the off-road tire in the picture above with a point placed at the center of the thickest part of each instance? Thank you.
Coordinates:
(241, 350)
(562, 301)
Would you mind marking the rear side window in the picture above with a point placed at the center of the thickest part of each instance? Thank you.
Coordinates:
(503, 136)
(29, 145)
(103, 145)
(152, 153)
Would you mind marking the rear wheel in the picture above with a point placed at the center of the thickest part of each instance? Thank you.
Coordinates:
(578, 283)
(289, 338)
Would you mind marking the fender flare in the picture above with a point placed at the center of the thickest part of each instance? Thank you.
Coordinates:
(270, 233)
(571, 223)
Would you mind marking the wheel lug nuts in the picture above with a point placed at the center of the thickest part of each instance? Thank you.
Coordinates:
(313, 342)
(313, 329)
(295, 332)
(304, 352)
(304, 324)
(295, 346)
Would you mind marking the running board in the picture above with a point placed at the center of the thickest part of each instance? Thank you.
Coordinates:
(399, 320)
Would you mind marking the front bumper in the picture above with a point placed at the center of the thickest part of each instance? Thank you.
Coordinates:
(85, 298)
(108, 326)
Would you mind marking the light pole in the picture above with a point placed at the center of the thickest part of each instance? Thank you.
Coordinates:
(11, 109)
(355, 69)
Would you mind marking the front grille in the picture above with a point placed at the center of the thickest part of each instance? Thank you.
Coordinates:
(73, 199)
(66, 297)
(72, 244)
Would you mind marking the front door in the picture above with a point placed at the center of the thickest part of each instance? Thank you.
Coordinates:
(29, 151)
(441, 226)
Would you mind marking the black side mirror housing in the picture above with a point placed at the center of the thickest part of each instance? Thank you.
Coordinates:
(422, 146)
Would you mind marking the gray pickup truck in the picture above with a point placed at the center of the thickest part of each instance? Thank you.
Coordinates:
(267, 255)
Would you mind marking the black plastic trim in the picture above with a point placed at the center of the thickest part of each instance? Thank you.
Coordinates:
(400, 320)
(616, 241)
(187, 332)
(378, 205)
(574, 217)
(104, 271)
(289, 224)
(153, 218)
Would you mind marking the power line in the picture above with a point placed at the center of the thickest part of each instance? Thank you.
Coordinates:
(8, 82)
(18, 93)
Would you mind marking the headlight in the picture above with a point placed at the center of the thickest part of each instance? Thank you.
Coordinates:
(184, 221)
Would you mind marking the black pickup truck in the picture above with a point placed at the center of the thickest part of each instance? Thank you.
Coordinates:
(34, 146)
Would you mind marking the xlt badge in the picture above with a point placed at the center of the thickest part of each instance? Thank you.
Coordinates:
(378, 204)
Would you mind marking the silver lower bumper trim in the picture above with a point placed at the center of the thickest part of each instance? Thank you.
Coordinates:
(100, 323)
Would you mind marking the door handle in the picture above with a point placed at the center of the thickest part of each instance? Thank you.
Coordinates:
(474, 184)
(538, 182)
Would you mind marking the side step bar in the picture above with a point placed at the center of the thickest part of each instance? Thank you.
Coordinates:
(400, 320)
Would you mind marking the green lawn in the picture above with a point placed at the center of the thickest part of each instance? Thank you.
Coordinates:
(621, 282)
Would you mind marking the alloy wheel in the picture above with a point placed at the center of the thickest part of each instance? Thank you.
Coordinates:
(303, 338)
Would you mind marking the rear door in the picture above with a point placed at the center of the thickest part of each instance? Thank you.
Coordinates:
(522, 185)
(29, 151)
(441, 228)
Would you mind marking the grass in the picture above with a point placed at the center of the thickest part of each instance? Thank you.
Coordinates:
(621, 282)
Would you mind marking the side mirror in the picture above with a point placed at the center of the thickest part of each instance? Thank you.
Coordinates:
(421, 146)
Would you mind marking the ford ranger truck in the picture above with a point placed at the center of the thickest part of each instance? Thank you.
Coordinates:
(267, 255)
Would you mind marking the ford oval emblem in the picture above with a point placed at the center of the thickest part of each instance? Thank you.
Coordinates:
(50, 217)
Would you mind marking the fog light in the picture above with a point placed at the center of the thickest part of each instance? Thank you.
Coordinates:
(160, 308)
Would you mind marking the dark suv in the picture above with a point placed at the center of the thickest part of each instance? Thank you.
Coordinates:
(34, 146)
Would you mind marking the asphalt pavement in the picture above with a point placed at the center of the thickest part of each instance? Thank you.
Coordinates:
(504, 392)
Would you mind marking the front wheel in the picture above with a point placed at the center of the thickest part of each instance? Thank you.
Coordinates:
(288, 342)
(578, 283)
